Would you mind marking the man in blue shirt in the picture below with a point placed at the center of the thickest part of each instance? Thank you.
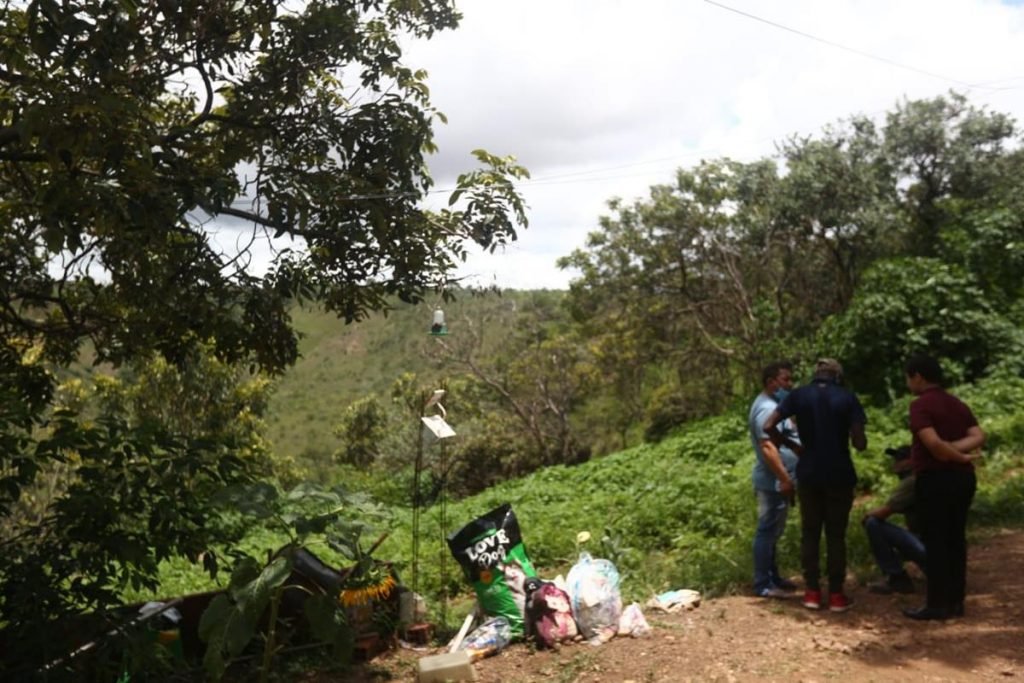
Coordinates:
(774, 477)
(829, 418)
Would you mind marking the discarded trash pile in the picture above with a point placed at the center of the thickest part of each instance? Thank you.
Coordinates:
(514, 603)
(179, 632)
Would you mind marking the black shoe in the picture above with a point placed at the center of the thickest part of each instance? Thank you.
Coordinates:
(784, 584)
(894, 583)
(901, 583)
(927, 613)
(880, 587)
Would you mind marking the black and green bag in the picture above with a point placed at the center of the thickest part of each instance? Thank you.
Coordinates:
(492, 555)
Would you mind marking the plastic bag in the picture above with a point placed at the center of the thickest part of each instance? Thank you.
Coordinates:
(487, 639)
(549, 618)
(676, 600)
(596, 600)
(492, 555)
(633, 622)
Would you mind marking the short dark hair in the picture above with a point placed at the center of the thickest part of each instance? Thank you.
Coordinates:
(772, 370)
(924, 365)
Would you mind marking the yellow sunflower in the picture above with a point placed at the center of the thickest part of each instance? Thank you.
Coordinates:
(362, 595)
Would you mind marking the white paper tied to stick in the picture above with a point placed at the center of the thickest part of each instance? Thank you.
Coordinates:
(436, 425)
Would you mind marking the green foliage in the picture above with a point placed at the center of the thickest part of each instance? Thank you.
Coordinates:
(362, 428)
(106, 155)
(666, 410)
(135, 495)
(125, 129)
(125, 468)
(906, 306)
(671, 284)
(734, 265)
(230, 621)
(987, 242)
(515, 384)
(541, 375)
(306, 513)
(343, 364)
(681, 513)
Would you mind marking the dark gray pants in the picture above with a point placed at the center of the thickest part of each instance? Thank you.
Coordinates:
(828, 508)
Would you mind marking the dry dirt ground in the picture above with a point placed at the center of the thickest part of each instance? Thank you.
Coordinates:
(745, 639)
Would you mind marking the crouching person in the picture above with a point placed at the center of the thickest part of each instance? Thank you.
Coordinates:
(891, 544)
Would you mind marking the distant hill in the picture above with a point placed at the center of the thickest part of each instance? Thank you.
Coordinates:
(341, 363)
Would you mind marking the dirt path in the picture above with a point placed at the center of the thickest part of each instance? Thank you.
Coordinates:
(748, 639)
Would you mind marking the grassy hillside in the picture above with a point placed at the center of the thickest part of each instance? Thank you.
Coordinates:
(341, 363)
(681, 513)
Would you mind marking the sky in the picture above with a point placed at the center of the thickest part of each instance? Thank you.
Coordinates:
(604, 98)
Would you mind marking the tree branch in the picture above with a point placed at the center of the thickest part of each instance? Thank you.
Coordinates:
(249, 216)
(8, 135)
(22, 156)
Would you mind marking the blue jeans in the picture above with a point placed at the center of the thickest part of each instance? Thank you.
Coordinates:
(772, 510)
(893, 545)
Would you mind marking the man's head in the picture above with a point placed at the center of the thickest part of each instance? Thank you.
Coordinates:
(922, 372)
(778, 375)
(900, 455)
(828, 368)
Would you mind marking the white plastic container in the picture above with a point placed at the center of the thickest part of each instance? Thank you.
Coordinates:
(450, 666)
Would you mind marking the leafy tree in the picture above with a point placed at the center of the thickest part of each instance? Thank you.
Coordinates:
(939, 149)
(130, 133)
(913, 305)
(304, 125)
(983, 234)
(736, 264)
(124, 474)
(362, 429)
(835, 215)
(692, 281)
(537, 380)
(200, 397)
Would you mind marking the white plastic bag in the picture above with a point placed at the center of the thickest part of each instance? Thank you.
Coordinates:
(596, 601)
(676, 600)
(633, 623)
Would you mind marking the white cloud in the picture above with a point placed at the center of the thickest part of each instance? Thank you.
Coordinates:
(605, 98)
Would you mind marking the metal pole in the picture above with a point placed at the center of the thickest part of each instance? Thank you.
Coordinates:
(444, 531)
(417, 470)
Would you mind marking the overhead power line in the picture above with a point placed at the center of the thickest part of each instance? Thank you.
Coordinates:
(840, 46)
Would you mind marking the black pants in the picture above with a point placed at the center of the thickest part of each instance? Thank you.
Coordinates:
(828, 507)
(943, 498)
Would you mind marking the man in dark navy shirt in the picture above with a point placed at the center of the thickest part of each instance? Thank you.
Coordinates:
(829, 418)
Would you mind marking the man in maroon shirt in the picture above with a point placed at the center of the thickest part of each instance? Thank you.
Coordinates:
(946, 441)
